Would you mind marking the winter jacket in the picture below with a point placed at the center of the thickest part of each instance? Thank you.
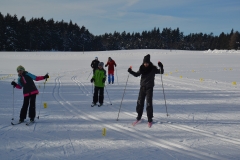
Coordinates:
(99, 77)
(147, 74)
(111, 65)
(94, 64)
(25, 81)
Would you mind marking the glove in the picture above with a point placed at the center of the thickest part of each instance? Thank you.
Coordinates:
(105, 65)
(129, 70)
(92, 80)
(103, 80)
(46, 76)
(115, 65)
(14, 84)
(160, 64)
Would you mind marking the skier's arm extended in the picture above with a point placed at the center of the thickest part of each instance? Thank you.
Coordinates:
(136, 74)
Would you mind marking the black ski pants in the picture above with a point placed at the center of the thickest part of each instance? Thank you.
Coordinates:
(145, 92)
(32, 107)
(98, 95)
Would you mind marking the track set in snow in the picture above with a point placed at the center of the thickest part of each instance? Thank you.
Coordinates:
(203, 121)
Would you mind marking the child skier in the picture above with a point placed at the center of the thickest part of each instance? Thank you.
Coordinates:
(111, 63)
(25, 81)
(147, 71)
(99, 78)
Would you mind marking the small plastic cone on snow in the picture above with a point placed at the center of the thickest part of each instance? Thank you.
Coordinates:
(104, 130)
(45, 105)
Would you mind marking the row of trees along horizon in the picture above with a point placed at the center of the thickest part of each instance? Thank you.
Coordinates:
(39, 34)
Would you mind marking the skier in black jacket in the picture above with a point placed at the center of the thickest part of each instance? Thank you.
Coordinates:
(94, 64)
(147, 71)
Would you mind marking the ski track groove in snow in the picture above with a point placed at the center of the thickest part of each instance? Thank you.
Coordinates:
(59, 98)
(182, 86)
(195, 130)
(175, 125)
(131, 132)
(203, 121)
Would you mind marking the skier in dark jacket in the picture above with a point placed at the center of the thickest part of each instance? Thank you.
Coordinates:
(94, 64)
(25, 81)
(147, 71)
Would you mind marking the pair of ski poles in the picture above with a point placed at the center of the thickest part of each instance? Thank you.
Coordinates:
(125, 90)
(40, 103)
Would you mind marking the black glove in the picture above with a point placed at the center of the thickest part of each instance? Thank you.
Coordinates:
(46, 76)
(160, 64)
(92, 80)
(129, 70)
(14, 84)
(105, 65)
(103, 80)
(115, 65)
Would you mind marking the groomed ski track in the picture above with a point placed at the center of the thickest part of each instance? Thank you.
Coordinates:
(130, 131)
(203, 121)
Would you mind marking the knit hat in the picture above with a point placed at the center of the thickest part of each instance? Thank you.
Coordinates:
(146, 59)
(101, 64)
(20, 68)
(96, 58)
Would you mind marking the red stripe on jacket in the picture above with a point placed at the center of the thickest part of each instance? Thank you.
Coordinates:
(39, 78)
(33, 92)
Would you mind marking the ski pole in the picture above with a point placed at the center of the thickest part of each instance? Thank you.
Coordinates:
(123, 95)
(117, 76)
(13, 103)
(89, 74)
(108, 95)
(42, 97)
(92, 88)
(163, 92)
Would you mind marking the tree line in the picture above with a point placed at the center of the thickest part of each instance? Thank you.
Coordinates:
(39, 34)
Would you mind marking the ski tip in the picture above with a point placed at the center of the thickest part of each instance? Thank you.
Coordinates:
(149, 124)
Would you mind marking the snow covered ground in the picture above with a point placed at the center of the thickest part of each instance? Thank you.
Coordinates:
(202, 101)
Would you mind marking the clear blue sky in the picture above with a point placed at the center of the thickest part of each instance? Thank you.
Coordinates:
(101, 16)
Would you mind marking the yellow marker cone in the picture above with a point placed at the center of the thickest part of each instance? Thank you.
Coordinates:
(201, 79)
(234, 83)
(180, 76)
(104, 132)
(45, 105)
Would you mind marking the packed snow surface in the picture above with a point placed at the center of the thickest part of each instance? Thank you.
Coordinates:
(202, 99)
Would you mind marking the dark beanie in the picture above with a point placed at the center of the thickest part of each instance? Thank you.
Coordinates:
(101, 64)
(146, 59)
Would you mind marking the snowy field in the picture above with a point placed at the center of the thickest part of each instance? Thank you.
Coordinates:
(202, 94)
